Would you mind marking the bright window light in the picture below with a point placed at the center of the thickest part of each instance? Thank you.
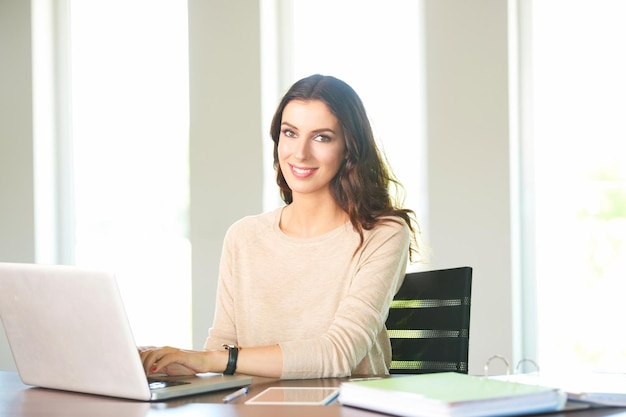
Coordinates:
(579, 92)
(129, 124)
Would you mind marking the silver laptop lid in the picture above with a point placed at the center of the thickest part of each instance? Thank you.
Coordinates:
(67, 329)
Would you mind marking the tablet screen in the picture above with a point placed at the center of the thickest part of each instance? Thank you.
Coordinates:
(296, 396)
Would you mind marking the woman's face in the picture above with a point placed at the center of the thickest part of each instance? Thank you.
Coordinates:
(311, 147)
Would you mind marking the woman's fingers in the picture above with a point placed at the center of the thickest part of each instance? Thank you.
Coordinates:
(150, 357)
(171, 361)
(176, 369)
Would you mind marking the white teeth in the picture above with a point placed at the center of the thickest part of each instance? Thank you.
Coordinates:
(301, 170)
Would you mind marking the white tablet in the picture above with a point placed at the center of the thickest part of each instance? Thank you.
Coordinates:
(296, 396)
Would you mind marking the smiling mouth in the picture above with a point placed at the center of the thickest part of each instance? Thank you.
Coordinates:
(302, 172)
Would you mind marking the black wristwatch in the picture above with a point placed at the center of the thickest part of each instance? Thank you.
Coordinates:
(233, 352)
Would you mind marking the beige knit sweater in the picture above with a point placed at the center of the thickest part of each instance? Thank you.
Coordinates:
(325, 307)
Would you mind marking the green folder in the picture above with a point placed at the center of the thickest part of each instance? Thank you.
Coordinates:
(450, 394)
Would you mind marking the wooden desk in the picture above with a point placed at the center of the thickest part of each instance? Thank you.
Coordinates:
(19, 400)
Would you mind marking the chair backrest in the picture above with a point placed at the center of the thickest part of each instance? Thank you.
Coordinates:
(429, 321)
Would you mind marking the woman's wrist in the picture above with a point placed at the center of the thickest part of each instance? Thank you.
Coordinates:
(218, 360)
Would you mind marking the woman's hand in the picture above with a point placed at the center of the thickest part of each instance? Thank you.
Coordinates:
(173, 361)
(264, 361)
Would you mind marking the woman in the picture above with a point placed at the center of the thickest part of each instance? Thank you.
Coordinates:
(304, 290)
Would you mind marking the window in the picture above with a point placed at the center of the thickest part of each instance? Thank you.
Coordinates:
(577, 180)
(127, 113)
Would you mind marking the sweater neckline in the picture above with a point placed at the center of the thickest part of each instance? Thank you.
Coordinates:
(325, 236)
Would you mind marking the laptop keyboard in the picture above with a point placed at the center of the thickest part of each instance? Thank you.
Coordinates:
(160, 384)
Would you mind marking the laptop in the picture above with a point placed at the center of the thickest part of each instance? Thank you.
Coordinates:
(68, 330)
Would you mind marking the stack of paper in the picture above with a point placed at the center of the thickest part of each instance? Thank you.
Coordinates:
(449, 394)
(602, 388)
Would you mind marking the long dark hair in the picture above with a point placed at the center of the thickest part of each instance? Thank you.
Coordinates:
(362, 185)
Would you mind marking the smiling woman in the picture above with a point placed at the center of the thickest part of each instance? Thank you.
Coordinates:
(304, 289)
(311, 142)
(384, 65)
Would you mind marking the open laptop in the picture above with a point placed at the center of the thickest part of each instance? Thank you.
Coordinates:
(68, 330)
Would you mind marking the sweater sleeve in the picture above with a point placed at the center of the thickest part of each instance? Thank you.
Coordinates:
(223, 330)
(360, 317)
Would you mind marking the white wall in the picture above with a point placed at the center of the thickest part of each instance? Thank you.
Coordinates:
(225, 134)
(467, 113)
(468, 160)
(16, 143)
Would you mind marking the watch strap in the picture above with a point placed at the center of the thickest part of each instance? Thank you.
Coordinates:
(233, 353)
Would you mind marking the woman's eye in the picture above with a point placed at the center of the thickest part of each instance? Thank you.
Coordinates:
(289, 133)
(322, 138)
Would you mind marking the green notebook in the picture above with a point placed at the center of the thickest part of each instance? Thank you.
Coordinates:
(450, 394)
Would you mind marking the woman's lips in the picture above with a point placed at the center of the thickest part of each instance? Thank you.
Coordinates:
(301, 172)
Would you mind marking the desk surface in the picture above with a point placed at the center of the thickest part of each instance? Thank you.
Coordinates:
(19, 400)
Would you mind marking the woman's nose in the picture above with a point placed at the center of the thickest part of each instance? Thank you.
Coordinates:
(301, 149)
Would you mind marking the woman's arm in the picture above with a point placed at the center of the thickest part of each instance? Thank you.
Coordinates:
(262, 361)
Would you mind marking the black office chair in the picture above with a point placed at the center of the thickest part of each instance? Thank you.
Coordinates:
(429, 321)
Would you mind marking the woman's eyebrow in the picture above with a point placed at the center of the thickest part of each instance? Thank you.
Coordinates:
(316, 131)
(287, 124)
(323, 130)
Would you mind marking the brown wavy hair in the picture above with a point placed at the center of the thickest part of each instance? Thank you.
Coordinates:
(362, 185)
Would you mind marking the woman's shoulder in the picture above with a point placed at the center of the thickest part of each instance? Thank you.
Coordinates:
(255, 224)
(392, 224)
(389, 227)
